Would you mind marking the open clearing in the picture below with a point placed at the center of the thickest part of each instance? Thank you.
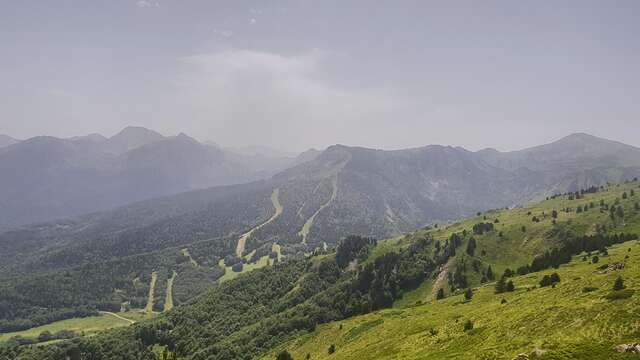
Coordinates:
(307, 225)
(275, 200)
(186, 253)
(152, 289)
(88, 325)
(168, 301)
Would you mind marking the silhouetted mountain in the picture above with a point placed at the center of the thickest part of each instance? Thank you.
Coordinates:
(7, 140)
(130, 138)
(47, 178)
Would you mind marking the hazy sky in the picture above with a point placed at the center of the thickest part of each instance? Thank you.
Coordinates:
(294, 74)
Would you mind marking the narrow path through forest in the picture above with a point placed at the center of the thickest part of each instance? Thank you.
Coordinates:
(117, 316)
(186, 253)
(307, 225)
(242, 241)
(152, 290)
(168, 301)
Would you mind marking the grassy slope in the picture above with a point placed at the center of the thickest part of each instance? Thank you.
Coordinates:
(566, 322)
(516, 248)
(88, 325)
(152, 288)
(168, 302)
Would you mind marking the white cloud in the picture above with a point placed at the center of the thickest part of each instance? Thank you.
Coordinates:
(147, 4)
(253, 97)
(223, 33)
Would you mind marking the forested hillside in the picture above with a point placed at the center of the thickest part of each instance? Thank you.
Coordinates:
(562, 255)
(232, 229)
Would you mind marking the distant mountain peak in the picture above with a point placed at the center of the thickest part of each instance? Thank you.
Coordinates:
(580, 136)
(137, 131)
(130, 138)
(183, 136)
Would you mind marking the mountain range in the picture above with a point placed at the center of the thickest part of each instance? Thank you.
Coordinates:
(46, 178)
(309, 206)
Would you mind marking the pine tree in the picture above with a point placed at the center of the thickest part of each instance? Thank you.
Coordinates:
(490, 275)
(468, 325)
(618, 284)
(471, 247)
(284, 355)
(468, 294)
(501, 285)
(510, 287)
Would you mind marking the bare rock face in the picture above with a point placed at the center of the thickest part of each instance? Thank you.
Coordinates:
(628, 348)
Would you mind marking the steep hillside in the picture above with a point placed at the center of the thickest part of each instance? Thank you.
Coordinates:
(581, 317)
(284, 306)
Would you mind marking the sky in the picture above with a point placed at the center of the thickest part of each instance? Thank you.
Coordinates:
(295, 74)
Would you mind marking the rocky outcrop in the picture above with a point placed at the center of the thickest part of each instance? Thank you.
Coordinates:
(628, 348)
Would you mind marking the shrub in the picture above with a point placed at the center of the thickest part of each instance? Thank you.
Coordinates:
(284, 355)
(468, 325)
(332, 349)
(510, 287)
(550, 280)
(618, 284)
(468, 294)
(620, 294)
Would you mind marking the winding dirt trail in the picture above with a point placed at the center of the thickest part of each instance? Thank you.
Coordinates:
(242, 241)
(168, 300)
(304, 232)
(186, 253)
(152, 290)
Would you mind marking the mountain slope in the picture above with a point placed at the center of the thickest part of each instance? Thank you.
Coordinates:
(342, 191)
(284, 306)
(564, 322)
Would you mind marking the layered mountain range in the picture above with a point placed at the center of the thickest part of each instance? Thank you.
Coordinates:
(46, 178)
(340, 191)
